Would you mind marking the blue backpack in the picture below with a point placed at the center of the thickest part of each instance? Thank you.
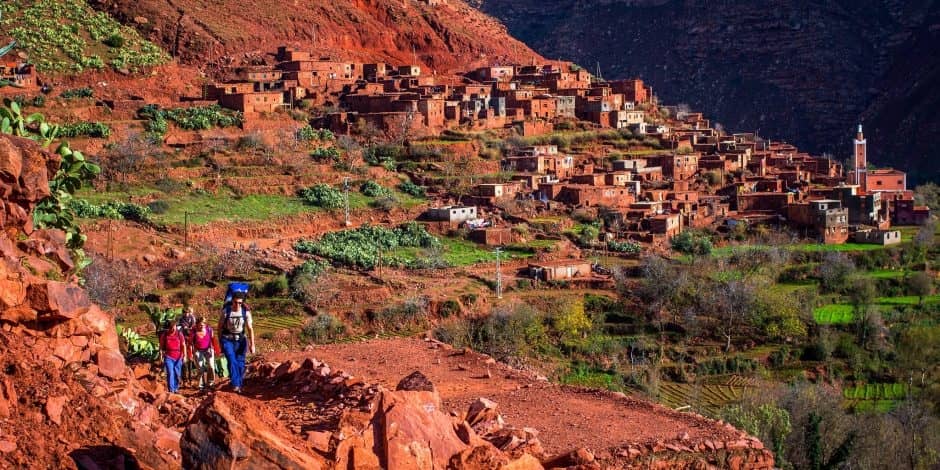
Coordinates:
(236, 288)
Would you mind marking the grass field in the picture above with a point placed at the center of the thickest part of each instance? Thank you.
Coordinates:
(458, 252)
(834, 314)
(878, 397)
(842, 314)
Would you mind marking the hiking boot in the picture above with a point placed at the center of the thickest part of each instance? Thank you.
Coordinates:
(238, 390)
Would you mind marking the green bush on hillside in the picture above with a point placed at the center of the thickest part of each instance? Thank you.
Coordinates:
(323, 195)
(360, 247)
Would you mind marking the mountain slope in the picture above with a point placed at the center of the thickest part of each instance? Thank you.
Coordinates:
(801, 71)
(444, 37)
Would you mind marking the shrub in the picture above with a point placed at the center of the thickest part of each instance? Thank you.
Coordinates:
(86, 129)
(325, 153)
(412, 189)
(323, 328)
(251, 141)
(77, 93)
(39, 101)
(323, 195)
(372, 189)
(628, 247)
(115, 40)
(275, 287)
(158, 207)
(305, 134)
(382, 155)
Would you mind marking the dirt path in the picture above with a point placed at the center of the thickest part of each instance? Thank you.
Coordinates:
(566, 417)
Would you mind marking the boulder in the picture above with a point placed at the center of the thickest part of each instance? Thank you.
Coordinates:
(58, 300)
(415, 382)
(226, 432)
(110, 363)
(413, 432)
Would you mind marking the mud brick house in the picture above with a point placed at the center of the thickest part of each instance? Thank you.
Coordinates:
(492, 236)
(877, 237)
(243, 97)
(583, 195)
(497, 73)
(906, 213)
(864, 209)
(559, 270)
(669, 225)
(760, 201)
(629, 165)
(825, 218)
(632, 90)
(680, 167)
(495, 192)
(540, 159)
(885, 180)
(565, 106)
(21, 77)
(453, 214)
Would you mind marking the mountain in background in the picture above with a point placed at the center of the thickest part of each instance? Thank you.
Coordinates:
(801, 71)
(444, 37)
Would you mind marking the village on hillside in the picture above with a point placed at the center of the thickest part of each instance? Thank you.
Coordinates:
(696, 176)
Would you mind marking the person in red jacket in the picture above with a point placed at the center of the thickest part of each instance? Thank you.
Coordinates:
(173, 353)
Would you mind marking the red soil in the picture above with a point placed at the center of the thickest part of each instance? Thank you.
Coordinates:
(566, 417)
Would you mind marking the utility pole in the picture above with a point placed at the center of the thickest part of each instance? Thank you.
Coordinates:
(186, 229)
(110, 244)
(499, 276)
(346, 196)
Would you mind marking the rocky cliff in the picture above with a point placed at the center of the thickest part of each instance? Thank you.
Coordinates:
(799, 71)
(67, 397)
(444, 37)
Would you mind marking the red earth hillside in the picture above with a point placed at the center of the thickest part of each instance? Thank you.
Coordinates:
(67, 397)
(446, 37)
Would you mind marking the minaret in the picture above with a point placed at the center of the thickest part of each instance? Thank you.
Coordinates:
(861, 159)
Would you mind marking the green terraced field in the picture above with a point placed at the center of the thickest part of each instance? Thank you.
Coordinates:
(877, 398)
(272, 323)
(834, 314)
(709, 398)
(884, 391)
(843, 314)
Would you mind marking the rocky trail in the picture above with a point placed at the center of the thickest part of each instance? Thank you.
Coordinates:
(610, 425)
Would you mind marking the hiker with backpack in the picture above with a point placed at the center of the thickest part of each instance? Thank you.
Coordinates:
(203, 353)
(173, 354)
(236, 334)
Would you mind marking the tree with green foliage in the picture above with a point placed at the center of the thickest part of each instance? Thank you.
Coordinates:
(692, 243)
(921, 285)
(588, 234)
(928, 194)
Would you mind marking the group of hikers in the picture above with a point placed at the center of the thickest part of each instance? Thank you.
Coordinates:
(189, 347)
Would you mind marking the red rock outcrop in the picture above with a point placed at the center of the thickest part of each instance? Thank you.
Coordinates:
(67, 397)
(314, 417)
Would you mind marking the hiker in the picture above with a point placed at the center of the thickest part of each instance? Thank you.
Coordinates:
(236, 336)
(203, 353)
(186, 325)
(173, 353)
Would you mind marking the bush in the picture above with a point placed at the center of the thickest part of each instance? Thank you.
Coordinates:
(251, 141)
(85, 129)
(115, 40)
(372, 189)
(158, 207)
(78, 93)
(323, 195)
(382, 155)
(325, 153)
(628, 247)
(305, 134)
(412, 189)
(275, 287)
(323, 328)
